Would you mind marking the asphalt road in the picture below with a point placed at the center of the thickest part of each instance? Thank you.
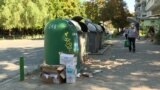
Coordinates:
(120, 70)
(11, 50)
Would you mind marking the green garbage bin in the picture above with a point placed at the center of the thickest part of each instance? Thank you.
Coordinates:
(60, 36)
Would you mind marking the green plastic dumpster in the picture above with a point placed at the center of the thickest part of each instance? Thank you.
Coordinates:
(60, 36)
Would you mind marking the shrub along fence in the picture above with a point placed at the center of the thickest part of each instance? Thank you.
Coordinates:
(16, 33)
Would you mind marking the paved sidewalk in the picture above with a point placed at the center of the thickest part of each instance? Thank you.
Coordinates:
(121, 70)
(11, 50)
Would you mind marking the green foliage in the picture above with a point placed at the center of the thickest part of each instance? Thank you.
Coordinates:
(34, 14)
(118, 13)
(108, 10)
(94, 10)
(91, 10)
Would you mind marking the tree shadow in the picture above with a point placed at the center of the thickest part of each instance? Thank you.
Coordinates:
(9, 59)
(121, 70)
(129, 71)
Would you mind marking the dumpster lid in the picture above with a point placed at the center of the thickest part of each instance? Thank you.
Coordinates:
(87, 21)
(84, 27)
(76, 24)
(56, 24)
(98, 27)
(77, 18)
(91, 27)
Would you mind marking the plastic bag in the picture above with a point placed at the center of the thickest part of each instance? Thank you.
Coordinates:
(126, 43)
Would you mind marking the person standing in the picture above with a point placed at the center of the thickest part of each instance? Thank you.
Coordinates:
(151, 33)
(132, 35)
(126, 33)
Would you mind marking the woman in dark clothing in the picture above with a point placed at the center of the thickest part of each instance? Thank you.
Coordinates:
(151, 33)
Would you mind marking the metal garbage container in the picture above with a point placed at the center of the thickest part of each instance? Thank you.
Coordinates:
(103, 34)
(82, 38)
(92, 38)
(99, 36)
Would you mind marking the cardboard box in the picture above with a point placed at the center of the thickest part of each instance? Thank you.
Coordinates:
(53, 73)
(52, 68)
(46, 79)
(71, 73)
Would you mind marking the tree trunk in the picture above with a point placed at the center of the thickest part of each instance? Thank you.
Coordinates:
(9, 33)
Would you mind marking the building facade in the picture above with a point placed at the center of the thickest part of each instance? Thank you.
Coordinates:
(152, 7)
(140, 11)
(148, 13)
(147, 8)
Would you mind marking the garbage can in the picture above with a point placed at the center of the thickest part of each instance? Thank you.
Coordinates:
(81, 30)
(60, 36)
(92, 38)
(99, 36)
(82, 40)
(104, 33)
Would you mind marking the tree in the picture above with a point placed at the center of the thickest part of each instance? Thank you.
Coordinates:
(96, 10)
(32, 15)
(101, 10)
(117, 13)
(69, 8)
(91, 10)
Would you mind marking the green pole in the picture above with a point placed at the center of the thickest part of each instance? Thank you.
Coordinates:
(21, 60)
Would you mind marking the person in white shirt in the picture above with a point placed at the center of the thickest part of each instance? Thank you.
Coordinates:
(132, 35)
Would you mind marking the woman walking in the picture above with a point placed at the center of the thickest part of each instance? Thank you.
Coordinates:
(132, 35)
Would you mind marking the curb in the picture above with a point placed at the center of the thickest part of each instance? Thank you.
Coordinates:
(100, 52)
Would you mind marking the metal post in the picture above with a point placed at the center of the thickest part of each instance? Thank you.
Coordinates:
(21, 63)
